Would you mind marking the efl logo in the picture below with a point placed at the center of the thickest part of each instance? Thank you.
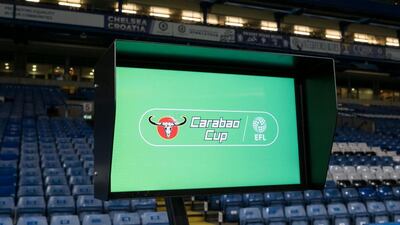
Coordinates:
(167, 127)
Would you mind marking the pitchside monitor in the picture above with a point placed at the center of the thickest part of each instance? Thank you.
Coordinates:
(177, 120)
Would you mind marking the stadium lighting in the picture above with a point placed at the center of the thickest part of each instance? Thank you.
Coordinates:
(391, 41)
(212, 19)
(269, 26)
(35, 1)
(364, 38)
(192, 16)
(6, 64)
(234, 21)
(160, 12)
(75, 4)
(127, 8)
(333, 34)
(302, 30)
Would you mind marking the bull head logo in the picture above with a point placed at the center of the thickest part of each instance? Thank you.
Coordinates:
(167, 126)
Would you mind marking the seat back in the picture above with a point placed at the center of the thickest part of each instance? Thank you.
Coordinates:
(155, 218)
(64, 220)
(96, 219)
(125, 218)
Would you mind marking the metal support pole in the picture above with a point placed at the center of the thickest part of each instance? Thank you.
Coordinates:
(176, 211)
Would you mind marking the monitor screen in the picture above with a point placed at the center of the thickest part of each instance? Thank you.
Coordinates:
(179, 130)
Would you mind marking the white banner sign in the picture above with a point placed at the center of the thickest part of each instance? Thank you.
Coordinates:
(6, 10)
(313, 45)
(59, 16)
(197, 32)
(393, 54)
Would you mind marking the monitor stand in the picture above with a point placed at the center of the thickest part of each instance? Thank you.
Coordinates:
(176, 211)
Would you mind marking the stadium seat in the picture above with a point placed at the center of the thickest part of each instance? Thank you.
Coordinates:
(82, 190)
(57, 190)
(30, 191)
(144, 205)
(332, 195)
(350, 194)
(253, 199)
(87, 203)
(64, 220)
(251, 216)
(32, 220)
(5, 220)
(6, 205)
(274, 213)
(61, 204)
(295, 213)
(378, 211)
(155, 218)
(31, 205)
(117, 205)
(393, 207)
(272, 198)
(338, 213)
(126, 218)
(367, 193)
(55, 180)
(294, 197)
(313, 196)
(96, 219)
(358, 212)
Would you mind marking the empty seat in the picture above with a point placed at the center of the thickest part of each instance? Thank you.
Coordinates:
(31, 205)
(253, 199)
(295, 213)
(313, 196)
(32, 220)
(274, 198)
(30, 181)
(274, 213)
(55, 180)
(53, 172)
(338, 213)
(6, 205)
(155, 218)
(87, 203)
(367, 193)
(143, 204)
(317, 212)
(82, 190)
(57, 190)
(64, 220)
(6, 220)
(332, 195)
(359, 213)
(126, 218)
(250, 216)
(79, 180)
(378, 211)
(393, 207)
(96, 219)
(30, 191)
(61, 204)
(117, 205)
(350, 194)
(294, 197)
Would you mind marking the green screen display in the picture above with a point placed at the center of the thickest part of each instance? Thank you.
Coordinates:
(178, 130)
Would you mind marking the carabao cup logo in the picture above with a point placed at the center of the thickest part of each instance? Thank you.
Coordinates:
(167, 127)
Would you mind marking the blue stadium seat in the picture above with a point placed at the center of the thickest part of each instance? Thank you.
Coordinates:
(378, 211)
(231, 205)
(78, 171)
(393, 207)
(96, 219)
(250, 216)
(32, 220)
(295, 213)
(253, 199)
(57, 190)
(6, 220)
(338, 213)
(30, 172)
(214, 202)
(272, 198)
(61, 204)
(82, 190)
(30, 191)
(359, 213)
(332, 195)
(53, 172)
(31, 205)
(30, 181)
(64, 220)
(117, 205)
(350, 194)
(79, 180)
(6, 205)
(367, 193)
(384, 192)
(317, 212)
(294, 197)
(126, 218)
(144, 205)
(55, 180)
(155, 218)
(313, 196)
(274, 213)
(87, 203)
